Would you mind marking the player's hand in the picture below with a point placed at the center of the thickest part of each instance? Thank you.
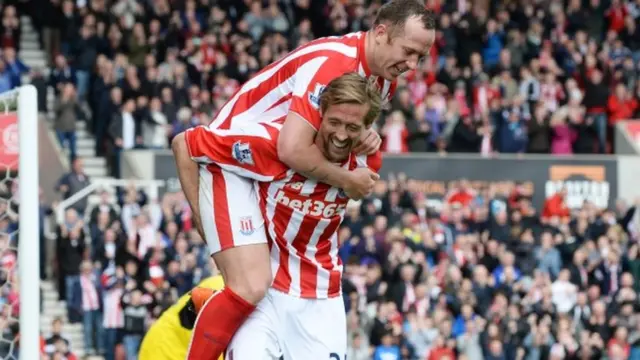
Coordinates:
(360, 183)
(368, 143)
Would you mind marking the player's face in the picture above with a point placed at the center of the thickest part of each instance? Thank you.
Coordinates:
(403, 52)
(342, 125)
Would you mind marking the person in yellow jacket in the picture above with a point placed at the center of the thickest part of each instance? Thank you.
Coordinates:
(169, 337)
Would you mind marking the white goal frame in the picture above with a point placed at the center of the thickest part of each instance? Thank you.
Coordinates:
(26, 98)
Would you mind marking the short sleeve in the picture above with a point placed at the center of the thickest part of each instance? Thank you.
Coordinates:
(249, 152)
(311, 79)
(373, 162)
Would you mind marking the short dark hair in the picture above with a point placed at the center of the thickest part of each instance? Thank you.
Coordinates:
(395, 14)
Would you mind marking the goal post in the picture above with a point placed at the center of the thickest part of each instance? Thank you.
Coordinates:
(23, 101)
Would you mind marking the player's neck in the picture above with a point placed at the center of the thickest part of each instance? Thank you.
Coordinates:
(369, 52)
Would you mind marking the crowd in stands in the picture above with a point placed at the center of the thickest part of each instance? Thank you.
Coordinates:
(478, 278)
(513, 77)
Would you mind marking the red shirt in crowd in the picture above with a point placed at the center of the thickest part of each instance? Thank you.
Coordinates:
(623, 345)
(616, 15)
(620, 109)
(555, 206)
(442, 352)
(461, 196)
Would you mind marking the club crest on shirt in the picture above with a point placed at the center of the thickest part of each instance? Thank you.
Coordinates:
(246, 225)
(314, 97)
(241, 152)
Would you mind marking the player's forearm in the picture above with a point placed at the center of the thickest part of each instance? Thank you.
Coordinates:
(310, 162)
(188, 173)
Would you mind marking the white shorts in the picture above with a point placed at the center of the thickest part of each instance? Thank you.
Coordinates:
(229, 209)
(291, 328)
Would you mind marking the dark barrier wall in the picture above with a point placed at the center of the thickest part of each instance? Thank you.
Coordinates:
(165, 169)
(593, 180)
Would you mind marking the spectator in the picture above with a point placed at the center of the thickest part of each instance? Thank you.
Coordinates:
(72, 182)
(539, 131)
(67, 110)
(61, 74)
(91, 309)
(56, 335)
(70, 251)
(621, 105)
(15, 67)
(548, 257)
(135, 317)
(124, 132)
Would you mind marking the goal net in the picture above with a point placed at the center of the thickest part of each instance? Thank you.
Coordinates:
(19, 225)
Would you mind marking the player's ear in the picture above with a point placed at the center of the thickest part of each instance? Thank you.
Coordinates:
(381, 32)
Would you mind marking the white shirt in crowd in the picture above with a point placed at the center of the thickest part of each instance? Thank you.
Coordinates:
(128, 131)
(155, 134)
(564, 295)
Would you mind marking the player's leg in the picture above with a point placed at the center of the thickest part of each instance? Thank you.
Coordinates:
(258, 338)
(314, 329)
(234, 230)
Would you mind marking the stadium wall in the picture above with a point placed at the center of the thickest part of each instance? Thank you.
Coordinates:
(601, 179)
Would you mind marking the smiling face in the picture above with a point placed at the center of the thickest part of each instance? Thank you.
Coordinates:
(399, 50)
(342, 125)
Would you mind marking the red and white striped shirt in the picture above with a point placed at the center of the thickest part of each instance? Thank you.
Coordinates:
(301, 216)
(294, 82)
(113, 317)
(90, 300)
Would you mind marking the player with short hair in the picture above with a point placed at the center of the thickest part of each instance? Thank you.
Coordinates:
(287, 93)
(303, 315)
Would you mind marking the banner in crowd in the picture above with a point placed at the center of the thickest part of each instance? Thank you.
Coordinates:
(593, 180)
(9, 145)
(633, 128)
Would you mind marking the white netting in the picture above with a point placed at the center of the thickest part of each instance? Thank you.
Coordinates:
(9, 221)
(9, 285)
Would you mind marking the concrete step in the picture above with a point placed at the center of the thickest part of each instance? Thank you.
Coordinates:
(50, 295)
(29, 36)
(30, 54)
(95, 171)
(36, 63)
(82, 133)
(29, 45)
(47, 286)
(94, 162)
(86, 142)
(86, 152)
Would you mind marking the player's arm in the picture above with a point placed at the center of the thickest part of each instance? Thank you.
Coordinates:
(188, 173)
(296, 146)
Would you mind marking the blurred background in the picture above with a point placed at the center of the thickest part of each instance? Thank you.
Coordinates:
(504, 226)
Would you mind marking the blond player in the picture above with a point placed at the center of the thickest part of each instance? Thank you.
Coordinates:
(302, 316)
(287, 92)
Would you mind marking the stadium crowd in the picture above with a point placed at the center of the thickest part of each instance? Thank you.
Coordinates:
(488, 275)
(510, 77)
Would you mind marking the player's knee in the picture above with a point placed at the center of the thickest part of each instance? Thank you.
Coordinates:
(252, 288)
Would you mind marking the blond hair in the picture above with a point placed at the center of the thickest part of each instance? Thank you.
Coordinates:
(351, 88)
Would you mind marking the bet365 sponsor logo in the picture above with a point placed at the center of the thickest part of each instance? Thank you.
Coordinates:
(581, 182)
(307, 206)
